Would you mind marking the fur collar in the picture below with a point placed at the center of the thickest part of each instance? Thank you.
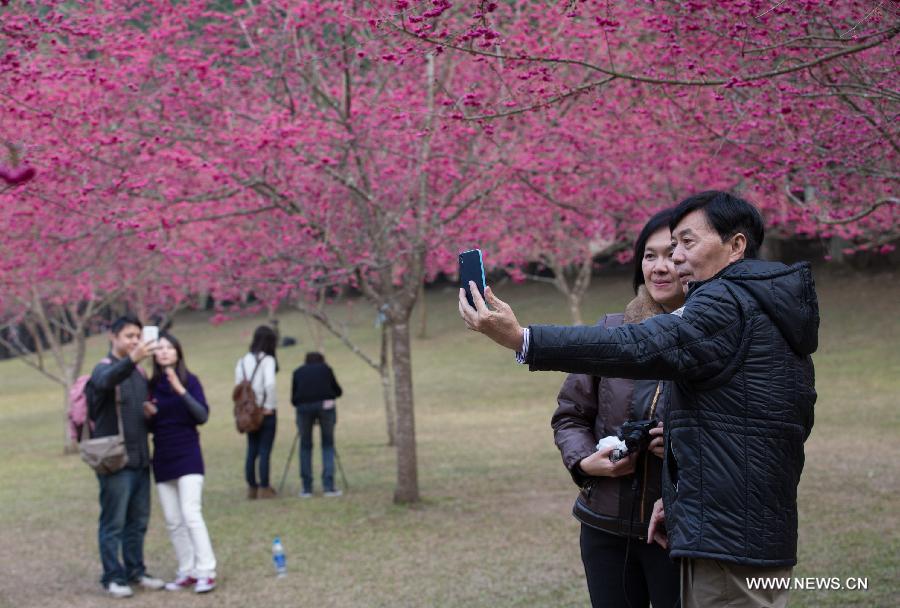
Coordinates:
(642, 307)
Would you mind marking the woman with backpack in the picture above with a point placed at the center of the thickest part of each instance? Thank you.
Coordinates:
(177, 406)
(259, 367)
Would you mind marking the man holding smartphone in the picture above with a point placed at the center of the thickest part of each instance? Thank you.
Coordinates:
(740, 404)
(125, 494)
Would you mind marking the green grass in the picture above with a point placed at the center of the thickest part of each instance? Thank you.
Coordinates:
(494, 527)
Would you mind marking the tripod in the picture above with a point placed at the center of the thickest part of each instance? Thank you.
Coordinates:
(287, 465)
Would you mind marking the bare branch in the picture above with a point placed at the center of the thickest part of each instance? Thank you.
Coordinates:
(889, 200)
(472, 200)
(205, 218)
(339, 333)
(24, 356)
(664, 81)
(547, 102)
(547, 197)
(540, 279)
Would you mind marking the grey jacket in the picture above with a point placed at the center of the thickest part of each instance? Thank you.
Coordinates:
(102, 406)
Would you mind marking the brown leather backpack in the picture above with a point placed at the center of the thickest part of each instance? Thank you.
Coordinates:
(248, 414)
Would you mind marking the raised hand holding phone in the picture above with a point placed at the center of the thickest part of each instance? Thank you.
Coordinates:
(499, 324)
(147, 345)
(149, 333)
(471, 268)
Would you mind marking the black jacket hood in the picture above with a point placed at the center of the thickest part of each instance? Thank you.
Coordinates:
(786, 294)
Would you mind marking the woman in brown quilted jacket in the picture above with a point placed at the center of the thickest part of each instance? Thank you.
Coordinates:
(616, 498)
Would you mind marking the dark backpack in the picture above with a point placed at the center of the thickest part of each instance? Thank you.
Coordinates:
(248, 415)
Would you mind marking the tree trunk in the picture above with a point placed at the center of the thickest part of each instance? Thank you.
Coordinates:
(579, 288)
(69, 446)
(423, 320)
(407, 490)
(70, 374)
(836, 246)
(575, 307)
(273, 321)
(140, 307)
(315, 332)
(386, 385)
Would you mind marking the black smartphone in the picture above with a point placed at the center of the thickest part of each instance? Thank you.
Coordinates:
(471, 268)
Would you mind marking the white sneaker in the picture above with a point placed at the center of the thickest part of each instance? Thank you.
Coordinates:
(151, 583)
(303, 494)
(119, 591)
(333, 493)
(204, 585)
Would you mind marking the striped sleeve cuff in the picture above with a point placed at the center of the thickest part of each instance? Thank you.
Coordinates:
(523, 354)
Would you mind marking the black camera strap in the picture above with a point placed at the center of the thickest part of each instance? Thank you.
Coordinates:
(635, 498)
(636, 494)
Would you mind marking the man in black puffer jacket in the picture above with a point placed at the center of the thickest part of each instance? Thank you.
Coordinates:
(741, 402)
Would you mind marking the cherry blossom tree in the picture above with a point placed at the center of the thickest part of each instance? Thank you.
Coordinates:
(796, 102)
(81, 234)
(296, 150)
(281, 156)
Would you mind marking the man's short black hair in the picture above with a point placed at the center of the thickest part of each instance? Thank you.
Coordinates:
(120, 323)
(728, 215)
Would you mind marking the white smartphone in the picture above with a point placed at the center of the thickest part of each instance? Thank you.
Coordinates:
(150, 333)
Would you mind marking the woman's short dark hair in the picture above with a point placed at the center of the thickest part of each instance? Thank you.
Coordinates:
(181, 369)
(657, 222)
(120, 323)
(264, 341)
(314, 357)
(728, 215)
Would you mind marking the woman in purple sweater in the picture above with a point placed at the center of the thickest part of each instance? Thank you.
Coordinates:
(177, 406)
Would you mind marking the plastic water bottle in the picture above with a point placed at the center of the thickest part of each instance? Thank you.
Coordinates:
(278, 557)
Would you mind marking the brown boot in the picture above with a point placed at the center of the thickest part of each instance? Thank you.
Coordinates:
(251, 492)
(266, 492)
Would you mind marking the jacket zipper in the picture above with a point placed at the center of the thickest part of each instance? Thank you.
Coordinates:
(644, 478)
(587, 488)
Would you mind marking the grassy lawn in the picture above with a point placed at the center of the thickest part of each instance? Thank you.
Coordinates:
(494, 528)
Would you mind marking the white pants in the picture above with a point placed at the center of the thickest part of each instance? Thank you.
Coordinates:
(181, 505)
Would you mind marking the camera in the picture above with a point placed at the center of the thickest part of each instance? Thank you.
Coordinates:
(636, 436)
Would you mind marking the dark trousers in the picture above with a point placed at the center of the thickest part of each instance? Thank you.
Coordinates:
(648, 577)
(259, 446)
(124, 513)
(307, 415)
